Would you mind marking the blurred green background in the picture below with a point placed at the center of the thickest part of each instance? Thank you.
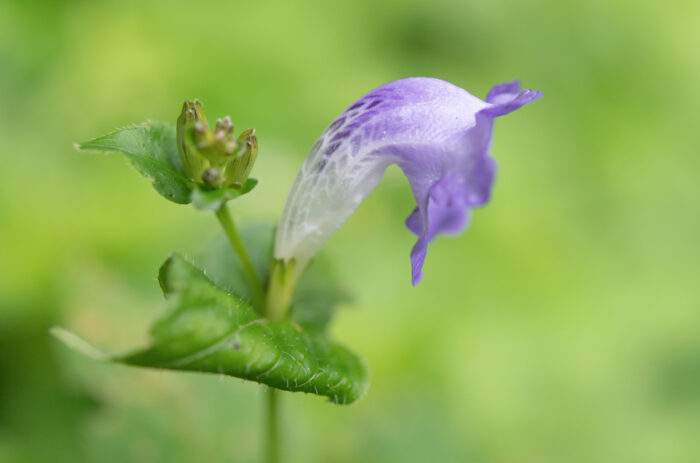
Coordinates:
(562, 327)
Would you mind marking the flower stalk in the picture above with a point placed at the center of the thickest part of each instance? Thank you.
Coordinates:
(234, 238)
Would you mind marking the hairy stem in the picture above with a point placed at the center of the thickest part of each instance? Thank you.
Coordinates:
(234, 237)
(283, 282)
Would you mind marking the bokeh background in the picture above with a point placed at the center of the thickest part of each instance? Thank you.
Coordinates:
(562, 327)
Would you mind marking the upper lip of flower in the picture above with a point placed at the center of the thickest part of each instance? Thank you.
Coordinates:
(437, 133)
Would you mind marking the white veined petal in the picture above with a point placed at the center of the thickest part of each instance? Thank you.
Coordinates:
(350, 157)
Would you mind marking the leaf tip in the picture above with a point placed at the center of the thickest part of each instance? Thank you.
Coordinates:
(78, 146)
(77, 343)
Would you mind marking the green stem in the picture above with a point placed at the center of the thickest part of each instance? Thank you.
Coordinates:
(273, 442)
(280, 291)
(234, 237)
(230, 228)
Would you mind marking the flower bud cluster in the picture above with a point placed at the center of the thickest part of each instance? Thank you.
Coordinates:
(214, 158)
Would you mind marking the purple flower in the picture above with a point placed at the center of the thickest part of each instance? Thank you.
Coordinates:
(437, 133)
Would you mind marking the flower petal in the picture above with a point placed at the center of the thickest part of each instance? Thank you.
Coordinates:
(437, 133)
(445, 213)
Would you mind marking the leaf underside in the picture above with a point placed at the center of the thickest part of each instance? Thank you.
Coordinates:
(152, 150)
(209, 329)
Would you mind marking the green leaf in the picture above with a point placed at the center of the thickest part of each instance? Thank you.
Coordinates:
(318, 293)
(208, 329)
(152, 149)
(211, 200)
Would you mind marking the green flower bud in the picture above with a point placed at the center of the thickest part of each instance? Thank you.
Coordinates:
(238, 169)
(214, 157)
(192, 162)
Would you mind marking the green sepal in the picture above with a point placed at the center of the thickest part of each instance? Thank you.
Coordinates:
(209, 329)
(207, 199)
(152, 149)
